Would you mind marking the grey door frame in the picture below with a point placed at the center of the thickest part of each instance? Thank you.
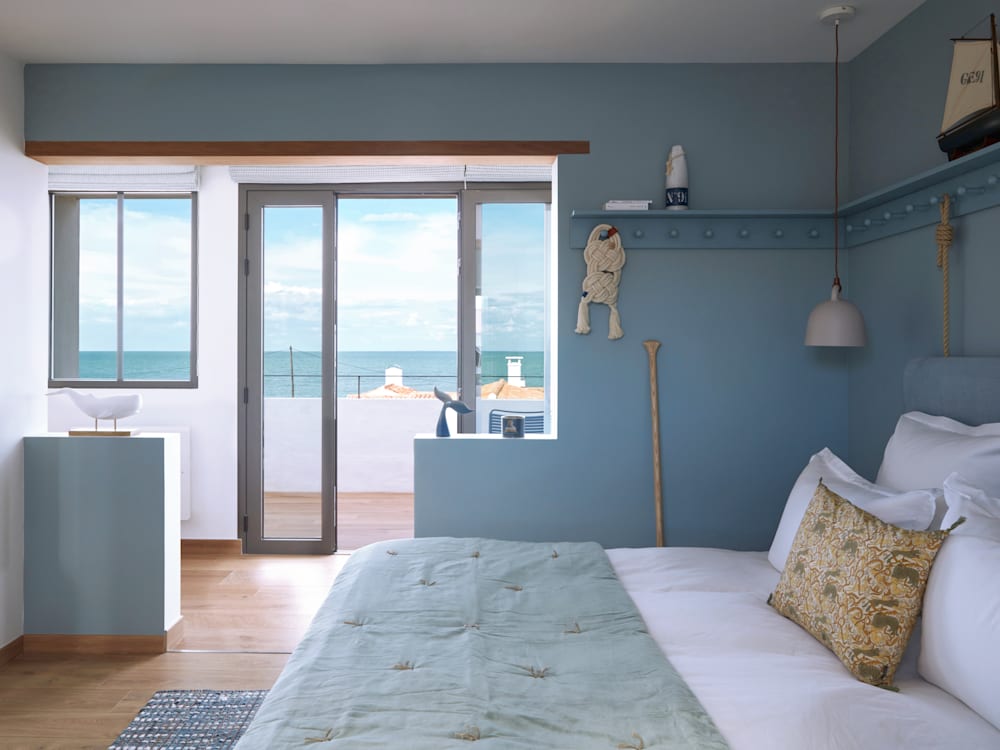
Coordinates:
(252, 200)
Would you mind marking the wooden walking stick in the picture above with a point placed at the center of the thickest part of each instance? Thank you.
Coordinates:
(654, 410)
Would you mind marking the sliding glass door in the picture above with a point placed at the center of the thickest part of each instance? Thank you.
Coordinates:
(289, 439)
(356, 302)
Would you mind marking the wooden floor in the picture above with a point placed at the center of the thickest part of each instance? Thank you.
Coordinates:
(57, 703)
(264, 603)
(252, 603)
(362, 518)
(255, 607)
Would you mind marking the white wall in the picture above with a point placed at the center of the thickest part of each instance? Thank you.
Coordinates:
(374, 447)
(374, 444)
(210, 410)
(23, 332)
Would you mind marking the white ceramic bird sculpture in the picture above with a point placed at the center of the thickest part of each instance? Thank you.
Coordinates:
(107, 407)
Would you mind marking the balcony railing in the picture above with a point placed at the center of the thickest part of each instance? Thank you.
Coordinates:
(299, 375)
(356, 385)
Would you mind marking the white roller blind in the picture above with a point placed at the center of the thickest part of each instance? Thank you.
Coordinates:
(416, 173)
(113, 178)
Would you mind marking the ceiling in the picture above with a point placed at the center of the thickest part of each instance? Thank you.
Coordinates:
(435, 31)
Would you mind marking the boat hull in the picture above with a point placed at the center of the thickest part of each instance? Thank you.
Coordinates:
(978, 133)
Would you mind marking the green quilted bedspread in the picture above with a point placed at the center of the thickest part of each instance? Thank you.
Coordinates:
(438, 643)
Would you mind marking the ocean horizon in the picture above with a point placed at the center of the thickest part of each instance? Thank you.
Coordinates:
(357, 371)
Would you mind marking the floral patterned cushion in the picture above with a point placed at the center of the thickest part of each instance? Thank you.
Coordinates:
(856, 583)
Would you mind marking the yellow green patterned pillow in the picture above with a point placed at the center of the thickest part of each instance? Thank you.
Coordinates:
(856, 583)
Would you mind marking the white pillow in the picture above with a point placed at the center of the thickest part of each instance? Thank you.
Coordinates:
(910, 510)
(980, 511)
(925, 449)
(961, 623)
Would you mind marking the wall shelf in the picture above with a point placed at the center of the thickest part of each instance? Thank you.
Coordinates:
(973, 183)
(753, 230)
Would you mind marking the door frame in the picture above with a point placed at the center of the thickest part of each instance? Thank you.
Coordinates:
(249, 477)
(252, 200)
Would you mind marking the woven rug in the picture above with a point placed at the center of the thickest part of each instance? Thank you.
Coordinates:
(185, 719)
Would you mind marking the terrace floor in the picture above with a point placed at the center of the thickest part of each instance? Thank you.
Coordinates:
(362, 518)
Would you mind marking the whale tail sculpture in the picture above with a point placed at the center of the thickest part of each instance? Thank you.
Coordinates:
(449, 403)
(105, 407)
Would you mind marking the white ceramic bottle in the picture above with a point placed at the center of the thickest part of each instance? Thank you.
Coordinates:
(677, 180)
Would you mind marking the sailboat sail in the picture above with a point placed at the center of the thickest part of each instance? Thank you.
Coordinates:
(971, 86)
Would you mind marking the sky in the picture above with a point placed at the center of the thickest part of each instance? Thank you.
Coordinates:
(397, 275)
(157, 274)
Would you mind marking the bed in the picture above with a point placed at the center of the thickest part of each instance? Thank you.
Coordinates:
(436, 643)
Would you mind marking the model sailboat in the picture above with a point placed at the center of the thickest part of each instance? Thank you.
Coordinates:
(972, 109)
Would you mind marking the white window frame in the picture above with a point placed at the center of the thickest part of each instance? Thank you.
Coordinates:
(469, 254)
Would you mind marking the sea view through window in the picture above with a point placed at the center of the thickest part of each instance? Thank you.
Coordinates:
(358, 372)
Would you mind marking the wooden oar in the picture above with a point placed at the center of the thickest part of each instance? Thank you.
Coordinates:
(654, 410)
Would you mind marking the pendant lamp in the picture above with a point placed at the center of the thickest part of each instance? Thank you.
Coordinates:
(836, 322)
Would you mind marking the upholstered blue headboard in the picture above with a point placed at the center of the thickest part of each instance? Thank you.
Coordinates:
(963, 388)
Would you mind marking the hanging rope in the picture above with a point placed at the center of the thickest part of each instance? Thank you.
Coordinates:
(604, 259)
(945, 235)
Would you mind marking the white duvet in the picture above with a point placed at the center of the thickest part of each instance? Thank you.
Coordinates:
(766, 682)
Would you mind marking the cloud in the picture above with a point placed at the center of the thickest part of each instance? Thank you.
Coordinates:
(513, 321)
(397, 278)
(156, 284)
(427, 249)
(390, 217)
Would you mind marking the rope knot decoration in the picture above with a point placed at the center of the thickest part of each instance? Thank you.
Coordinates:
(945, 236)
(605, 259)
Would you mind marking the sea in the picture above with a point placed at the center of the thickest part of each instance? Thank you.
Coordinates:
(357, 372)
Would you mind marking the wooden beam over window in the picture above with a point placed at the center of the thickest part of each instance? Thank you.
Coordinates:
(301, 152)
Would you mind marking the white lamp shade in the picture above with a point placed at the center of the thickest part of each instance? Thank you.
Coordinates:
(836, 322)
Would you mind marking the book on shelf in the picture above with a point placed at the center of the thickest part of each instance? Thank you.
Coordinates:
(627, 205)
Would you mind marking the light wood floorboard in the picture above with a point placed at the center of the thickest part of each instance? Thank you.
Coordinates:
(57, 703)
(264, 603)
(252, 603)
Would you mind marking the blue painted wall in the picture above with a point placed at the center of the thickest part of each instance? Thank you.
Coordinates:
(748, 129)
(898, 90)
(744, 403)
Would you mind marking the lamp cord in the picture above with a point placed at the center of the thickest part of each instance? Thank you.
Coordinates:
(836, 156)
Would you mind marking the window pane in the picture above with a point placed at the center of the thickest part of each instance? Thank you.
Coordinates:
(157, 288)
(85, 292)
(510, 312)
(292, 415)
(397, 296)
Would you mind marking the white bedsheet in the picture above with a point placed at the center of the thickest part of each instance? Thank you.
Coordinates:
(766, 682)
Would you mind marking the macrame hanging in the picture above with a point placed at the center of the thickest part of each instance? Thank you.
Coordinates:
(945, 235)
(605, 259)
